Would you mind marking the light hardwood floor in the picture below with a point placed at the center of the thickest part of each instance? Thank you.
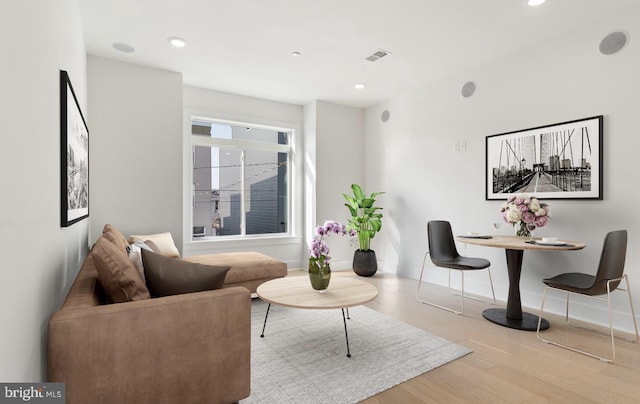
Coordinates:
(506, 366)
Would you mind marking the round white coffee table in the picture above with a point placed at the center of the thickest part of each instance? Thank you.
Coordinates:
(295, 291)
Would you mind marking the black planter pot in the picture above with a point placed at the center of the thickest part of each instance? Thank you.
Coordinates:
(364, 262)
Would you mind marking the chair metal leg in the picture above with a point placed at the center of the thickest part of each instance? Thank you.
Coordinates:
(424, 260)
(548, 341)
(611, 332)
(461, 294)
(544, 297)
(425, 301)
(613, 344)
(633, 313)
(493, 292)
(462, 290)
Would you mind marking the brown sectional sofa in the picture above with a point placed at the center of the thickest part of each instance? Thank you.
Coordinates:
(248, 269)
(188, 348)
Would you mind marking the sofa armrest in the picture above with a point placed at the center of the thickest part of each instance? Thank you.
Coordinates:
(186, 348)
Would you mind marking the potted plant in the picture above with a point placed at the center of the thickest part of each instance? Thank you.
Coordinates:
(319, 261)
(366, 221)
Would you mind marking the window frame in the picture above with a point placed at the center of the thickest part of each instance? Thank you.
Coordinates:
(191, 140)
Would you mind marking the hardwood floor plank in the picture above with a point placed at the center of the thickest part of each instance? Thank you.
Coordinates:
(541, 387)
(506, 365)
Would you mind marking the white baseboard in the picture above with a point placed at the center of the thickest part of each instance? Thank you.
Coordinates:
(580, 308)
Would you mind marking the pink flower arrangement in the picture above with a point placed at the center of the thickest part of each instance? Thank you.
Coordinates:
(318, 249)
(525, 210)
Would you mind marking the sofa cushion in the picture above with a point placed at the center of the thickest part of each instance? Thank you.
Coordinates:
(245, 266)
(117, 274)
(162, 243)
(112, 234)
(170, 276)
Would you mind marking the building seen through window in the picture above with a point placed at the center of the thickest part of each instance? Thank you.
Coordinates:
(240, 180)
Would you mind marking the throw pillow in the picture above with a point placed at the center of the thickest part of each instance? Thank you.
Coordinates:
(163, 241)
(151, 246)
(114, 235)
(170, 276)
(118, 276)
(141, 245)
(135, 256)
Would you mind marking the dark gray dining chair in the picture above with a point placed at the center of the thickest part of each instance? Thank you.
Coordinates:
(608, 277)
(443, 253)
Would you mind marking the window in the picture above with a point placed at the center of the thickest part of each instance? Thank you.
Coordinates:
(241, 179)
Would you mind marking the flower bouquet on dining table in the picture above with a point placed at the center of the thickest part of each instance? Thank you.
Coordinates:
(525, 213)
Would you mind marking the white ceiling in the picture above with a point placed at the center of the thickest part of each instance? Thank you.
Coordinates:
(245, 46)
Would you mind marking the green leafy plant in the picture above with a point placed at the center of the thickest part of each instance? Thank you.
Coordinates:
(366, 219)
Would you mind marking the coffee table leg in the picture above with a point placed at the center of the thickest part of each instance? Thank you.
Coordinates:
(265, 320)
(345, 332)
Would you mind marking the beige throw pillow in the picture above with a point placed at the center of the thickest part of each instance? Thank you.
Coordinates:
(162, 241)
(117, 274)
(114, 235)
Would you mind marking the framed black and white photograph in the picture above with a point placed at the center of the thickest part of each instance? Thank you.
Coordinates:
(559, 161)
(74, 156)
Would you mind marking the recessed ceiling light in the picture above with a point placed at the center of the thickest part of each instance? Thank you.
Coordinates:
(295, 54)
(534, 3)
(177, 42)
(123, 47)
(359, 86)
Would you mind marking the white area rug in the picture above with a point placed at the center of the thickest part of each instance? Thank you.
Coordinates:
(302, 357)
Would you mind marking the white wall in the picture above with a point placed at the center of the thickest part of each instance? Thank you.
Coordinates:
(237, 108)
(135, 145)
(310, 175)
(413, 156)
(40, 259)
(339, 136)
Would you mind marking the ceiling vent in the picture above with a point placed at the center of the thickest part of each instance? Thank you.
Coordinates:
(379, 54)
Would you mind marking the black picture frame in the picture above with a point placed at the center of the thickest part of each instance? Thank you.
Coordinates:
(74, 156)
(558, 161)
